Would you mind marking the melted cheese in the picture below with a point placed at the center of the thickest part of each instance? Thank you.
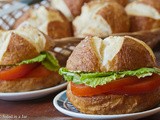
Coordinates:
(90, 23)
(140, 9)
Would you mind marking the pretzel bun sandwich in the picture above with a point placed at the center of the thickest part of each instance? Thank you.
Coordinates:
(101, 18)
(70, 8)
(144, 14)
(25, 61)
(51, 22)
(116, 75)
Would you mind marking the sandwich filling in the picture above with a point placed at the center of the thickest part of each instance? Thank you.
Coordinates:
(40, 66)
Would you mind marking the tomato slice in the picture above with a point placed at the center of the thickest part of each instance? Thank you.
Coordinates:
(83, 90)
(17, 71)
(128, 85)
(147, 84)
(40, 71)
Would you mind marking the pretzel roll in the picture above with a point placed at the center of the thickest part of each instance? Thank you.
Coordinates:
(111, 54)
(121, 2)
(16, 45)
(101, 18)
(70, 8)
(51, 22)
(144, 14)
(24, 53)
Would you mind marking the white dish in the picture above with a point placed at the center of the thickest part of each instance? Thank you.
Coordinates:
(63, 105)
(16, 96)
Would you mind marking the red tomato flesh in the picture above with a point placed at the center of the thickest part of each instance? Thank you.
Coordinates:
(40, 71)
(145, 85)
(127, 85)
(17, 71)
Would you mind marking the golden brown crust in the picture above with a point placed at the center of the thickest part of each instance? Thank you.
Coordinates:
(114, 104)
(59, 29)
(77, 61)
(140, 23)
(75, 6)
(121, 2)
(55, 29)
(18, 49)
(101, 18)
(131, 56)
(111, 13)
(29, 84)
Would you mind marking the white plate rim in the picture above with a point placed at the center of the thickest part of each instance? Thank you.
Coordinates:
(11, 96)
(89, 116)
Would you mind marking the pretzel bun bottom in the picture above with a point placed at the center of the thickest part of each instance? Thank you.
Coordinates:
(114, 104)
(29, 84)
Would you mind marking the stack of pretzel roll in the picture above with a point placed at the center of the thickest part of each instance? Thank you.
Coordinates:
(101, 18)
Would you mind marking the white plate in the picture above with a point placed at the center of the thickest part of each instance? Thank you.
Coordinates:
(63, 105)
(16, 96)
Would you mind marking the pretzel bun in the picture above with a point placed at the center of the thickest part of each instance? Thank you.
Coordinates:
(22, 44)
(144, 14)
(121, 2)
(114, 104)
(111, 54)
(49, 21)
(70, 8)
(30, 83)
(101, 18)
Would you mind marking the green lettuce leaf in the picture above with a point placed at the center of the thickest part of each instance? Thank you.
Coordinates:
(101, 78)
(48, 60)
